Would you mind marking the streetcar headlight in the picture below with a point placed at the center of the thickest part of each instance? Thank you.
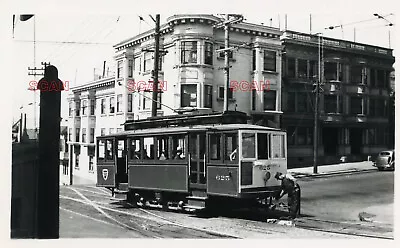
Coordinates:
(267, 176)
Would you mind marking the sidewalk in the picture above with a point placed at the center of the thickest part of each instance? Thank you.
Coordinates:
(325, 170)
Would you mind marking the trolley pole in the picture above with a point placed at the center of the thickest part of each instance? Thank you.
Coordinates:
(156, 62)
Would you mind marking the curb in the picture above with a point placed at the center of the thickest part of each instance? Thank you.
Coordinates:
(333, 173)
(281, 222)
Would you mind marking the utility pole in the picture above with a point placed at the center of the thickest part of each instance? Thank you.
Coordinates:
(156, 62)
(34, 74)
(226, 24)
(226, 100)
(316, 106)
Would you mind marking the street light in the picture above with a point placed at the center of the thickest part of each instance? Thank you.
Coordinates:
(389, 23)
(382, 17)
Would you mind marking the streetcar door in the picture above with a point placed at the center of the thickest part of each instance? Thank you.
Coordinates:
(121, 158)
(197, 163)
(106, 169)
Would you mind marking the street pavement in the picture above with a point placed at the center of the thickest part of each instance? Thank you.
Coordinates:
(377, 213)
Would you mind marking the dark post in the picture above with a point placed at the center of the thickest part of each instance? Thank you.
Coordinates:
(226, 87)
(104, 69)
(49, 161)
(156, 61)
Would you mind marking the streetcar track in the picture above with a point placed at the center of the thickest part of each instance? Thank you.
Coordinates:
(345, 233)
(167, 222)
(95, 206)
(100, 189)
(342, 229)
(93, 192)
(87, 216)
(308, 226)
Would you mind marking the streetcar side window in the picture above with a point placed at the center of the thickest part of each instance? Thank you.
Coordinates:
(148, 148)
(134, 149)
(262, 145)
(277, 148)
(248, 145)
(178, 147)
(231, 147)
(162, 148)
(101, 149)
(215, 146)
(109, 150)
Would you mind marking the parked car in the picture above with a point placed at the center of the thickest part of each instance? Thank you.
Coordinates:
(385, 160)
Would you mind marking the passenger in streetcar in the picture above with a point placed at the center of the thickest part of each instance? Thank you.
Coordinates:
(179, 154)
(162, 156)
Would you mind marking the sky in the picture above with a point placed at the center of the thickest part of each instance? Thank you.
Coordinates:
(77, 42)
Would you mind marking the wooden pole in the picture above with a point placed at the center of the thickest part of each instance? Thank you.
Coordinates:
(49, 160)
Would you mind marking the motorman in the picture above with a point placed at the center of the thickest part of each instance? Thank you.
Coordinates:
(289, 186)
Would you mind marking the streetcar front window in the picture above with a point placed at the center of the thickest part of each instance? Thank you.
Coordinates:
(109, 150)
(262, 145)
(121, 148)
(101, 149)
(277, 148)
(215, 146)
(231, 146)
(248, 145)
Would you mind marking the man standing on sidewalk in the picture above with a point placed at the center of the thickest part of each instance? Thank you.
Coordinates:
(289, 186)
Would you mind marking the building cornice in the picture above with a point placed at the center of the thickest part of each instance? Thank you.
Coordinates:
(293, 37)
(101, 83)
(243, 28)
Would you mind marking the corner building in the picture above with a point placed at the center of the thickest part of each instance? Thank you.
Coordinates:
(190, 69)
(353, 103)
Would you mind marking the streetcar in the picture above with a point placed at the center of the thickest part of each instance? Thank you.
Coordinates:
(193, 162)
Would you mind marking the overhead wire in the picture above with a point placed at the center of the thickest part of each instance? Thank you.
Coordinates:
(87, 38)
(86, 35)
(90, 37)
(69, 37)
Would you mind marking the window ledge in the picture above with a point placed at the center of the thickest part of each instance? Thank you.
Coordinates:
(119, 113)
(189, 65)
(270, 72)
(230, 100)
(223, 58)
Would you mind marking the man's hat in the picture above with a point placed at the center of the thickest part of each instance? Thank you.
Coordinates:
(277, 175)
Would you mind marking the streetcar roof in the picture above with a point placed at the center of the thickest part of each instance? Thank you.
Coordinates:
(169, 130)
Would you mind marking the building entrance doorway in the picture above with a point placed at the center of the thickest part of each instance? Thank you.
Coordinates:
(355, 140)
(330, 140)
